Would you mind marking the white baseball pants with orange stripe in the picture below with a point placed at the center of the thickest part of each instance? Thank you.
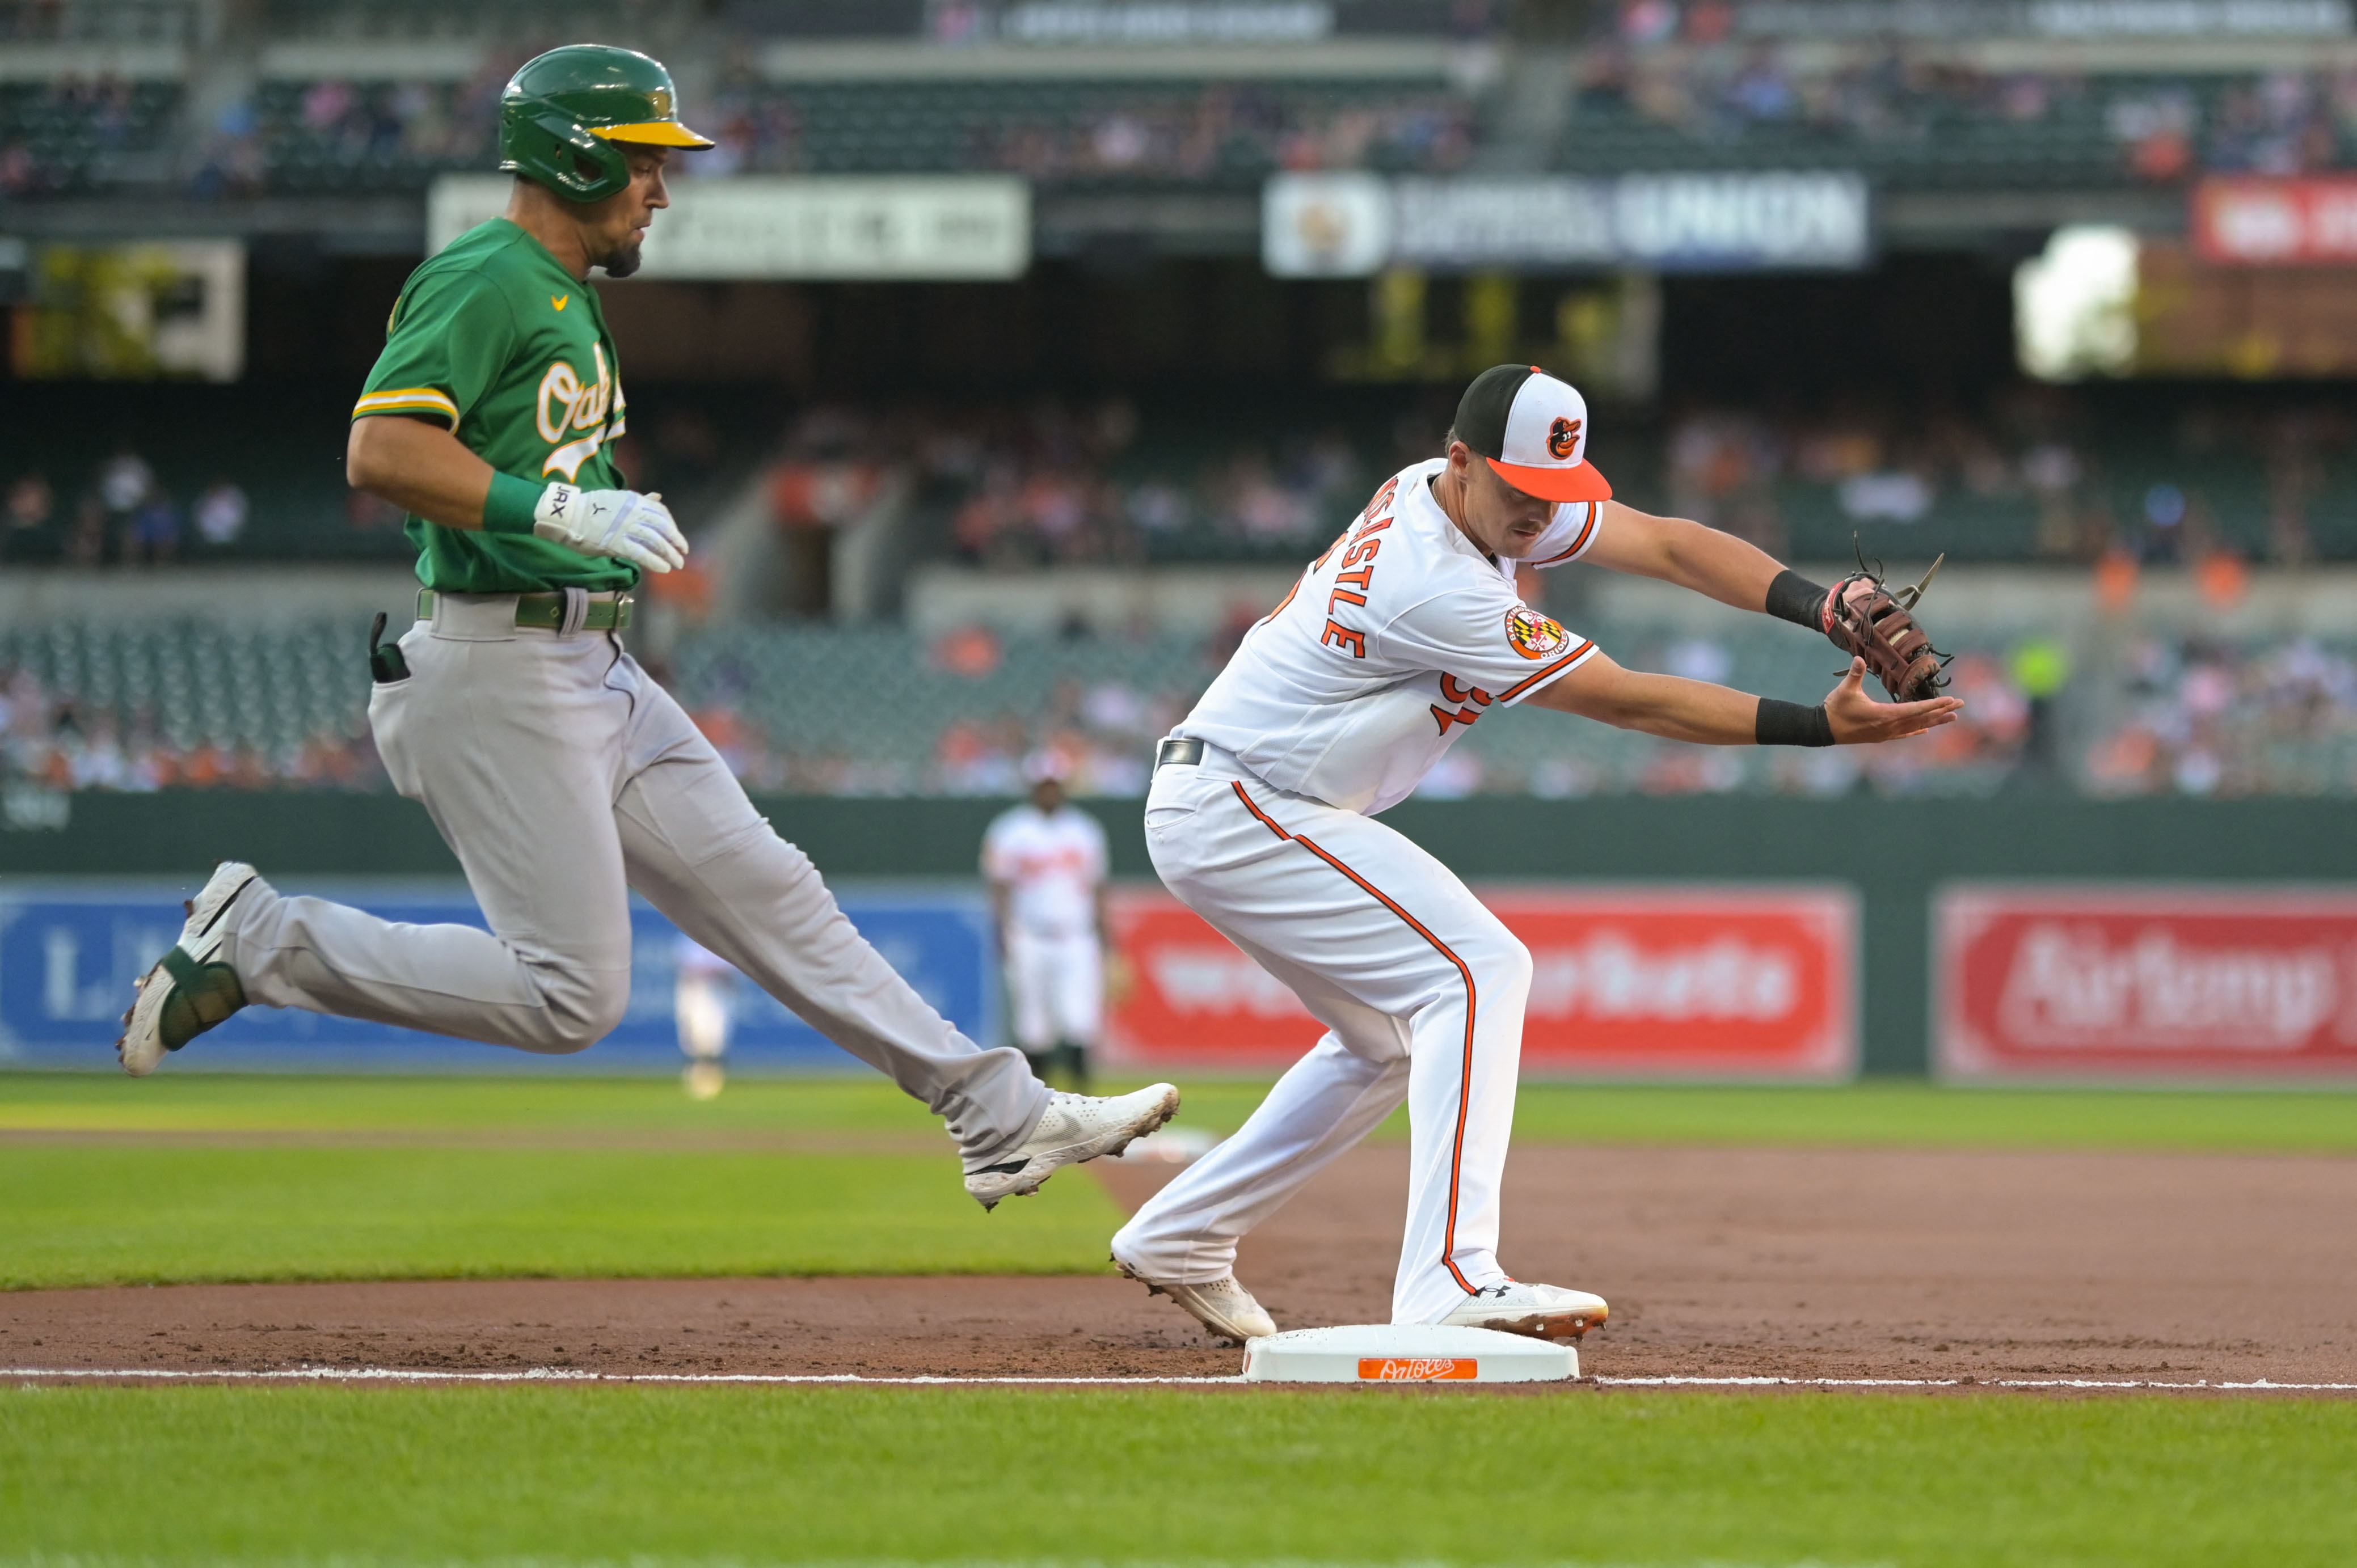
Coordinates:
(1421, 990)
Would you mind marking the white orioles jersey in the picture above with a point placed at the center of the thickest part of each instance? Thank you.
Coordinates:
(1050, 865)
(1394, 643)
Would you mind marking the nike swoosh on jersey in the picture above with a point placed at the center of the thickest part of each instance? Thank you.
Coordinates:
(560, 300)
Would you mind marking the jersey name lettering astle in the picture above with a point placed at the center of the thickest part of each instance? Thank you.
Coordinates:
(482, 340)
(1394, 643)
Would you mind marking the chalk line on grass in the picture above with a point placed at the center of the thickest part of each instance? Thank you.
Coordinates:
(578, 1375)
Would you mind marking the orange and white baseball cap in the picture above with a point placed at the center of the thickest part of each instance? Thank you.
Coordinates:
(1533, 429)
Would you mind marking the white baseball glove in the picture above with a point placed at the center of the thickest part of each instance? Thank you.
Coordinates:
(621, 523)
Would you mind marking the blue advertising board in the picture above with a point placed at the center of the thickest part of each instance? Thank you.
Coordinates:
(71, 949)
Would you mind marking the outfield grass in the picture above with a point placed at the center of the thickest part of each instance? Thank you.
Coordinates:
(563, 1476)
(79, 1215)
(626, 1176)
(1878, 1113)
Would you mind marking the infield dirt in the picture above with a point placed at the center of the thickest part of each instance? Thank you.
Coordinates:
(1717, 1262)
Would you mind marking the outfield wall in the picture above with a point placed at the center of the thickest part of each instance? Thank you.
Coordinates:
(1894, 852)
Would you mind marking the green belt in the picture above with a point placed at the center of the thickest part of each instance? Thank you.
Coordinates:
(546, 612)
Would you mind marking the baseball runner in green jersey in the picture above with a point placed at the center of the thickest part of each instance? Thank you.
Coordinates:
(561, 775)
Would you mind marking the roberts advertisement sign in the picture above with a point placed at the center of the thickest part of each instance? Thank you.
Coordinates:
(1715, 983)
(2164, 982)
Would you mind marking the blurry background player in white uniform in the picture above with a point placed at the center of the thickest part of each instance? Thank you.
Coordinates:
(1045, 865)
(1398, 639)
(704, 1000)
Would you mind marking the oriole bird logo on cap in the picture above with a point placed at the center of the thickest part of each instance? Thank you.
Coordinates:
(1562, 436)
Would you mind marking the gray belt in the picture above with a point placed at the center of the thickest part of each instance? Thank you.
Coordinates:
(1180, 751)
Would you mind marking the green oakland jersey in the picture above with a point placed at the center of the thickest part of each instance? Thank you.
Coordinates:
(495, 339)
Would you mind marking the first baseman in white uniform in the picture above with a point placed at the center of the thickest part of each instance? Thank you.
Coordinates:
(556, 769)
(1045, 862)
(1406, 634)
(703, 1007)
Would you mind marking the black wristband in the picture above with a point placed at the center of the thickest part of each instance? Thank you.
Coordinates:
(1791, 724)
(1794, 598)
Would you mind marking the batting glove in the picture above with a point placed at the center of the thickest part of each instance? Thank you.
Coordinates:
(621, 523)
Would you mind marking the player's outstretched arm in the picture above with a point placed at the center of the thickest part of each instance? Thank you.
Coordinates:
(1679, 709)
(422, 468)
(1673, 549)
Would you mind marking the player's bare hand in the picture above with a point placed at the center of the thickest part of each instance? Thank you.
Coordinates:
(622, 524)
(1860, 720)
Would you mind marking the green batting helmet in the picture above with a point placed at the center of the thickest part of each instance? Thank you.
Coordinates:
(563, 112)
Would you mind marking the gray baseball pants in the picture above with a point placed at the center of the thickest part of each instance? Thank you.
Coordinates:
(562, 776)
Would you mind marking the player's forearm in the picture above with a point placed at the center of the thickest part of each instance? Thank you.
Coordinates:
(419, 467)
(1667, 705)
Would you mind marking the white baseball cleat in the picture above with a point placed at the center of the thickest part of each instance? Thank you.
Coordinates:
(1223, 1306)
(1074, 1127)
(186, 992)
(1543, 1312)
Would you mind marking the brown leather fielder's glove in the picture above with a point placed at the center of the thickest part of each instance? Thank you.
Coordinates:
(1877, 626)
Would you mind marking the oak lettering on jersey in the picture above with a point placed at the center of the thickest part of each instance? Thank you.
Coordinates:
(1461, 716)
(1337, 635)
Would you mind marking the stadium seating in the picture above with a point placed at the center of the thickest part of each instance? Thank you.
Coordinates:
(1906, 130)
(65, 137)
(340, 135)
(813, 709)
(197, 684)
(411, 21)
(1079, 132)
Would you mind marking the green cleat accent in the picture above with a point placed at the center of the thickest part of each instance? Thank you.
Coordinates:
(203, 995)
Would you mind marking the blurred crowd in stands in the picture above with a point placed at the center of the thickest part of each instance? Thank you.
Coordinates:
(2191, 716)
(123, 515)
(1056, 485)
(1684, 67)
(2203, 717)
(2038, 477)
(52, 134)
(324, 134)
(2046, 473)
(1112, 130)
(57, 742)
(1671, 68)
(1054, 482)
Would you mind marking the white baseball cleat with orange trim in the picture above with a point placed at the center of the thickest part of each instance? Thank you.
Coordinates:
(1543, 1312)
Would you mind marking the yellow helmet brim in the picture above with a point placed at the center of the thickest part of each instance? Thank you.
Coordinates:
(653, 133)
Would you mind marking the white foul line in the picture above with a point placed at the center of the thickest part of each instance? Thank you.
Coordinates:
(538, 1375)
(2198, 1384)
(575, 1375)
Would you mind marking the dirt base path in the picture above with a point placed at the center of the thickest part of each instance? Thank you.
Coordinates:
(1885, 1263)
(1748, 1262)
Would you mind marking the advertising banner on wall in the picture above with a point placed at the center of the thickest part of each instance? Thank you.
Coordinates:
(2150, 981)
(128, 310)
(2260, 220)
(1715, 983)
(1354, 224)
(70, 953)
(759, 226)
